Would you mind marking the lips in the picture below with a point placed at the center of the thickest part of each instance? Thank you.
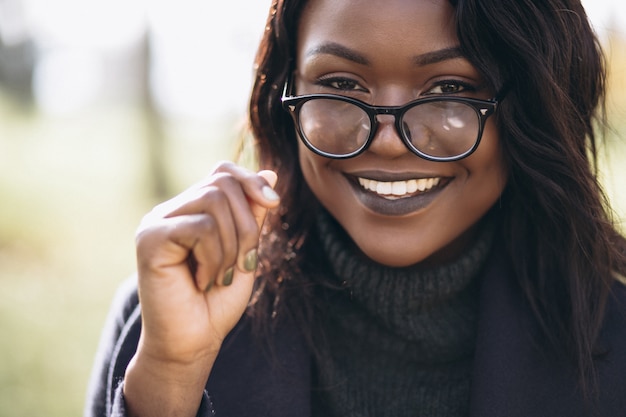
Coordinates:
(399, 189)
(394, 196)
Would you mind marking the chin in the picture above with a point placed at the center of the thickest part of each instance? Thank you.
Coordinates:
(394, 259)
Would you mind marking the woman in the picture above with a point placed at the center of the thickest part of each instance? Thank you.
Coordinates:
(437, 243)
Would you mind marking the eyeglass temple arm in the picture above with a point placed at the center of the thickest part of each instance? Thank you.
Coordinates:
(288, 87)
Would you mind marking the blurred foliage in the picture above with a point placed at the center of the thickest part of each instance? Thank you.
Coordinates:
(613, 163)
(72, 190)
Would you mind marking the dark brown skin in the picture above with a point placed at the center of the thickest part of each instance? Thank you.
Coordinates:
(385, 66)
(217, 222)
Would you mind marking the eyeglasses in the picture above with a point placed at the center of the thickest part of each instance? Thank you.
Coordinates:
(441, 128)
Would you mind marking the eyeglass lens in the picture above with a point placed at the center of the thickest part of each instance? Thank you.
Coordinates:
(439, 129)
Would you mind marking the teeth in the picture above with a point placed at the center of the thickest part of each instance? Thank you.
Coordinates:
(383, 188)
(399, 188)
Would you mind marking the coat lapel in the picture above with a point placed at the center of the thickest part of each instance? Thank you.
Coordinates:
(248, 380)
(513, 379)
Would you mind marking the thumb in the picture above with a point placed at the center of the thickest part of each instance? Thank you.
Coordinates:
(259, 211)
(269, 176)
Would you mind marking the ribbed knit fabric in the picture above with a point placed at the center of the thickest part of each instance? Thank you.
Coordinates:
(396, 341)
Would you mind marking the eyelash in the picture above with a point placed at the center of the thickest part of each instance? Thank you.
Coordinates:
(464, 87)
(335, 84)
(328, 82)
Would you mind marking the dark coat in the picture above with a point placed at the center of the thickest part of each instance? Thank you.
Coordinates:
(510, 379)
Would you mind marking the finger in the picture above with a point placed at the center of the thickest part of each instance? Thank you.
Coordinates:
(246, 228)
(260, 211)
(232, 180)
(216, 202)
(240, 186)
(248, 262)
(200, 234)
(260, 189)
(179, 245)
(237, 201)
(227, 205)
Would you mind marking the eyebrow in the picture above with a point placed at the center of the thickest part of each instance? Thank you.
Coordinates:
(332, 48)
(428, 58)
(438, 56)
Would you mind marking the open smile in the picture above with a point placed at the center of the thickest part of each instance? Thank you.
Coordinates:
(393, 190)
(396, 196)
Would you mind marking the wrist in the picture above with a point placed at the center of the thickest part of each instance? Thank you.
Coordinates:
(175, 355)
(153, 387)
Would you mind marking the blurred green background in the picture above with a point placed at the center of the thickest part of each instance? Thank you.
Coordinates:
(78, 168)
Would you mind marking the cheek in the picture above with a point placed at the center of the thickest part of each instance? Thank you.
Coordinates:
(499, 165)
(438, 231)
(326, 181)
(313, 170)
(487, 169)
(308, 164)
(489, 157)
(313, 166)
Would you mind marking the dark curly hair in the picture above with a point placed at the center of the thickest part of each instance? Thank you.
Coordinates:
(555, 217)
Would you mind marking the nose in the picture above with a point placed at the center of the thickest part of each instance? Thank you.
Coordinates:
(387, 141)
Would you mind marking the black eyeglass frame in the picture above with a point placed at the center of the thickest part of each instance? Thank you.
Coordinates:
(483, 108)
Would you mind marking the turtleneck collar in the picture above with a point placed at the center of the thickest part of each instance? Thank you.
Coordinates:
(434, 306)
(396, 341)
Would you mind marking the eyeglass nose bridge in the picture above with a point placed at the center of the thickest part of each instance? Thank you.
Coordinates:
(483, 109)
(386, 110)
(395, 112)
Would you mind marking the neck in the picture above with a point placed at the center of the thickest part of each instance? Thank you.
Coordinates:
(410, 329)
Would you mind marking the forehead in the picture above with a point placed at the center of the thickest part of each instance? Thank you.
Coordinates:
(379, 29)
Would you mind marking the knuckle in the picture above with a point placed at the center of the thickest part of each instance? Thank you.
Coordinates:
(147, 232)
(224, 181)
(254, 179)
(225, 166)
(249, 234)
(213, 197)
(161, 211)
(148, 240)
(229, 253)
(235, 172)
(205, 225)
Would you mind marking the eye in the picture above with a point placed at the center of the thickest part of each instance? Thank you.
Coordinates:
(341, 84)
(450, 87)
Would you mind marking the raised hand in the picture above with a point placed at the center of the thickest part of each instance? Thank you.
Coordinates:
(196, 257)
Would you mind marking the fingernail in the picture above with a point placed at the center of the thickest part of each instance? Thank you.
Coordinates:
(250, 261)
(269, 193)
(228, 276)
(208, 287)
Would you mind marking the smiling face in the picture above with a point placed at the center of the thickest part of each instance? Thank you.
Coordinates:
(398, 208)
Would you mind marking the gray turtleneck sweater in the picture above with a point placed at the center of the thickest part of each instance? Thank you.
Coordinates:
(396, 341)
